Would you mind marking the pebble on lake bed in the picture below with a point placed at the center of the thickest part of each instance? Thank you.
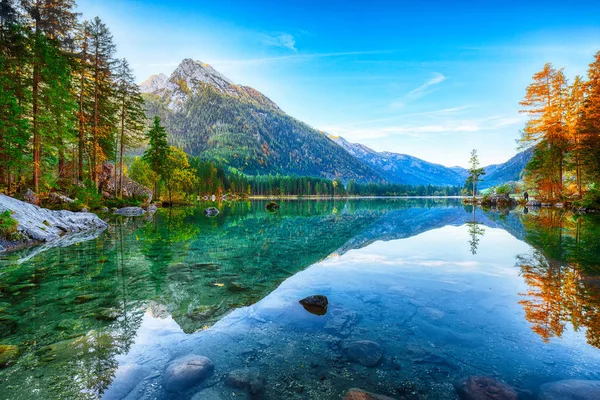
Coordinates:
(359, 394)
(364, 352)
(570, 389)
(248, 379)
(484, 388)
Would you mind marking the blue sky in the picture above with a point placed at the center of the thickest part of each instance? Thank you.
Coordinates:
(432, 79)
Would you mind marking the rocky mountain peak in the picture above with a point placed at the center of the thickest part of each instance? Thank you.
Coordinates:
(154, 83)
(196, 72)
(185, 80)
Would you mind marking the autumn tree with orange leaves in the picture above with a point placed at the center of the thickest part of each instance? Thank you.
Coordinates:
(564, 131)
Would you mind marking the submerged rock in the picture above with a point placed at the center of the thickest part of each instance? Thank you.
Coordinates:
(8, 355)
(316, 304)
(210, 393)
(248, 379)
(359, 394)
(211, 211)
(570, 389)
(364, 352)
(272, 206)
(187, 372)
(484, 388)
(38, 224)
(130, 211)
(340, 322)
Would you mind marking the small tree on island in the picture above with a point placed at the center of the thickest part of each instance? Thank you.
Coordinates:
(156, 155)
(475, 172)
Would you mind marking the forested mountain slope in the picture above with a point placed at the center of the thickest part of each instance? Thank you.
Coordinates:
(405, 169)
(206, 114)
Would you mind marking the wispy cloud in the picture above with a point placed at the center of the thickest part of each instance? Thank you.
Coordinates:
(422, 130)
(444, 111)
(420, 91)
(283, 40)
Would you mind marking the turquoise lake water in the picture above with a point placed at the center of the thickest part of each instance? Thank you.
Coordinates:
(445, 290)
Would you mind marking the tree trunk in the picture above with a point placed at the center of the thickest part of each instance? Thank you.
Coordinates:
(36, 134)
(95, 141)
(122, 149)
(81, 127)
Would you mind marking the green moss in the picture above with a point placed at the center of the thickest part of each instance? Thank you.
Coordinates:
(8, 225)
(8, 354)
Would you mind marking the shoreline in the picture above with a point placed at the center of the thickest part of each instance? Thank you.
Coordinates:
(314, 197)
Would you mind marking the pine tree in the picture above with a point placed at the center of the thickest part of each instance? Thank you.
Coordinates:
(52, 22)
(84, 90)
(14, 102)
(131, 114)
(101, 50)
(475, 172)
(157, 151)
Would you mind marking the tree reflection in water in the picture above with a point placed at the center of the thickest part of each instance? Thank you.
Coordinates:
(476, 231)
(559, 273)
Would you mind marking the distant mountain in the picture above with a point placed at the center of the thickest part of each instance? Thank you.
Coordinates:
(509, 171)
(206, 114)
(402, 168)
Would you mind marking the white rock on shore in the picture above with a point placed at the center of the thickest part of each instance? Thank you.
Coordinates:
(39, 225)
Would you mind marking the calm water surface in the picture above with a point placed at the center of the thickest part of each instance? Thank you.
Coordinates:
(447, 291)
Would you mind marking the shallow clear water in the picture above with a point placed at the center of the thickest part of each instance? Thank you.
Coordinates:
(446, 291)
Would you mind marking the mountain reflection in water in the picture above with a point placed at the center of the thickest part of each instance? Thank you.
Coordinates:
(426, 279)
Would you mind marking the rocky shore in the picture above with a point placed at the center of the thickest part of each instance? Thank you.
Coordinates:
(38, 225)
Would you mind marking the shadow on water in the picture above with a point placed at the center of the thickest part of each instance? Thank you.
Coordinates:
(73, 318)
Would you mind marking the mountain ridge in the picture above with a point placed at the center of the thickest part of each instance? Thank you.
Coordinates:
(208, 115)
(407, 169)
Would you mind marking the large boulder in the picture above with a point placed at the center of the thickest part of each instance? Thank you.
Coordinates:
(31, 198)
(484, 388)
(186, 372)
(499, 200)
(364, 352)
(107, 182)
(37, 225)
(570, 389)
(534, 203)
(57, 198)
(316, 304)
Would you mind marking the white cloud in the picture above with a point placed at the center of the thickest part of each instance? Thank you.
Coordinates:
(422, 130)
(283, 40)
(420, 91)
(445, 111)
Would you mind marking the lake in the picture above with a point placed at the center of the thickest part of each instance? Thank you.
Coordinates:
(438, 290)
